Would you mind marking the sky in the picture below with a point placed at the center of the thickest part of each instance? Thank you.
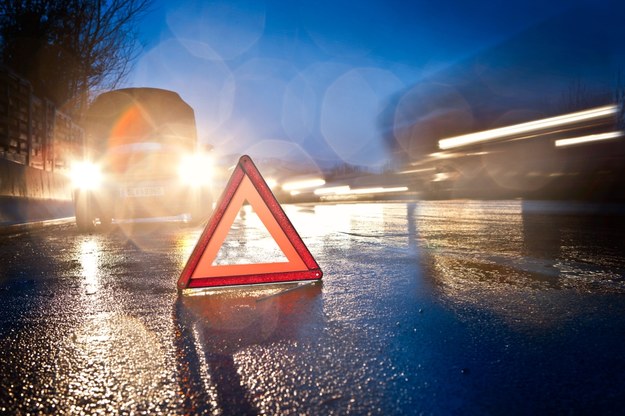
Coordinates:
(307, 80)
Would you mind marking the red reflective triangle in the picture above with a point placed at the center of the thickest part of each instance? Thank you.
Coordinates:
(247, 184)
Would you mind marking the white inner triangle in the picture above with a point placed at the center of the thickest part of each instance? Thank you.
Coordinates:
(249, 242)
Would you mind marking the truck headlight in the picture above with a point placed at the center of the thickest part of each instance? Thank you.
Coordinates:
(85, 175)
(196, 170)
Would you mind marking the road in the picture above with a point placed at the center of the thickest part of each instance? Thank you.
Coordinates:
(449, 307)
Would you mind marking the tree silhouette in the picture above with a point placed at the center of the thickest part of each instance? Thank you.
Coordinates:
(68, 48)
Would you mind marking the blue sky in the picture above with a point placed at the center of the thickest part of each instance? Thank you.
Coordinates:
(307, 80)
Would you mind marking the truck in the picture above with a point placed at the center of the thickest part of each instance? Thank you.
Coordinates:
(142, 160)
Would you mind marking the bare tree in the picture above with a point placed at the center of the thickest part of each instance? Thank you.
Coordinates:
(67, 48)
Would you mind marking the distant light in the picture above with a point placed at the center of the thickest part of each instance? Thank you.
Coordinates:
(271, 182)
(588, 139)
(403, 172)
(441, 155)
(332, 190)
(488, 135)
(441, 176)
(346, 190)
(303, 184)
(377, 190)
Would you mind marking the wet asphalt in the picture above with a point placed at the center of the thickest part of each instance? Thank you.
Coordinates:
(448, 307)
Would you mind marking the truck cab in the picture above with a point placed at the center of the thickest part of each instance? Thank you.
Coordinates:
(142, 160)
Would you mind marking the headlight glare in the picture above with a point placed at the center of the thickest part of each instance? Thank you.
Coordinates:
(196, 170)
(85, 175)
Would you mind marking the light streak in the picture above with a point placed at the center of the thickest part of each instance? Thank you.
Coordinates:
(403, 172)
(531, 126)
(377, 190)
(331, 190)
(303, 184)
(346, 190)
(588, 139)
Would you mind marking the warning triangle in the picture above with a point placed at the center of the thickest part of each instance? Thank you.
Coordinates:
(248, 241)
(247, 185)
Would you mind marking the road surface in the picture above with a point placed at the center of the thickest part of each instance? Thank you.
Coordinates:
(452, 307)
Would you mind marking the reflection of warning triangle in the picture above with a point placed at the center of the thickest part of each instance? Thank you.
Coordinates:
(246, 184)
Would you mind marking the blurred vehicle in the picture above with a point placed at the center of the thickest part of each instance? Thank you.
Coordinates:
(578, 155)
(141, 160)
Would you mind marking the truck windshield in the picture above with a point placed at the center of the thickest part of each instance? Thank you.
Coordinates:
(132, 116)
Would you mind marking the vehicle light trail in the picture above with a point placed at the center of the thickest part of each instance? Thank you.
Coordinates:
(588, 139)
(531, 126)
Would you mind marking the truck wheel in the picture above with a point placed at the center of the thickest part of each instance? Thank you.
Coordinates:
(85, 220)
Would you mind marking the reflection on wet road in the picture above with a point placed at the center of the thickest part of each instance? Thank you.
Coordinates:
(425, 307)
